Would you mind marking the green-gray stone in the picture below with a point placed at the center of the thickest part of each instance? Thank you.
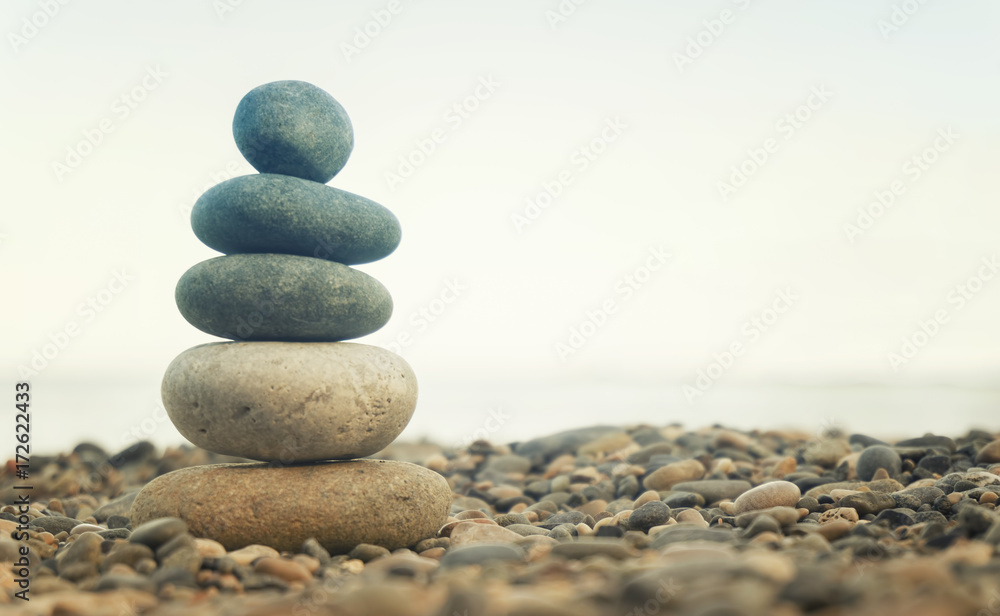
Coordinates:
(293, 128)
(283, 214)
(281, 297)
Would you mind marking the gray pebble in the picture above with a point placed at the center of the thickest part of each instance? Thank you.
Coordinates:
(159, 531)
(55, 524)
(281, 297)
(653, 513)
(760, 524)
(480, 553)
(118, 507)
(293, 128)
(526, 530)
(366, 552)
(714, 490)
(280, 214)
(85, 549)
(876, 457)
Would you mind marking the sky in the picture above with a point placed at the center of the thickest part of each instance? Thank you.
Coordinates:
(678, 197)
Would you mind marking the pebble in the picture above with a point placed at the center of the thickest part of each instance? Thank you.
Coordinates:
(208, 548)
(767, 495)
(876, 457)
(270, 213)
(691, 516)
(868, 502)
(85, 550)
(715, 490)
(293, 128)
(826, 453)
(651, 514)
(847, 514)
(252, 297)
(470, 532)
(120, 506)
(246, 555)
(283, 568)
(586, 547)
(675, 499)
(989, 454)
(685, 533)
(784, 516)
(762, 524)
(290, 401)
(126, 554)
(667, 477)
(56, 524)
(481, 553)
(930, 440)
(412, 503)
(935, 464)
(158, 531)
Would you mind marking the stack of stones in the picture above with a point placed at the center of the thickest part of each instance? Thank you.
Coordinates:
(287, 390)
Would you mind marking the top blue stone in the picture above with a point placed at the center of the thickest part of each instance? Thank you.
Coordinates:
(293, 128)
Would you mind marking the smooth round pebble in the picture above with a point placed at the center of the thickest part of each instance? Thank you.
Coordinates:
(876, 457)
(767, 495)
(668, 476)
(714, 490)
(293, 128)
(341, 504)
(281, 297)
(989, 454)
(282, 214)
(289, 401)
(154, 531)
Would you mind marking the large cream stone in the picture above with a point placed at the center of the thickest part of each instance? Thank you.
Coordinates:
(290, 401)
(341, 504)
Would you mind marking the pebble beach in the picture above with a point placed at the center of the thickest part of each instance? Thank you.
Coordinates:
(592, 521)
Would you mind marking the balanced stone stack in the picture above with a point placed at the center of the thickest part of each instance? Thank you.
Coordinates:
(287, 390)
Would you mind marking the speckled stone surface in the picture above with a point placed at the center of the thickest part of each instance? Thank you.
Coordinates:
(281, 297)
(341, 504)
(283, 214)
(293, 128)
(290, 401)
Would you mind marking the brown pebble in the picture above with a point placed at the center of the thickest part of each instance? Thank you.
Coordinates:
(847, 514)
(435, 553)
(835, 529)
(880, 474)
(447, 529)
(646, 497)
(786, 466)
(245, 556)
(989, 453)
(209, 548)
(988, 497)
(287, 570)
(594, 507)
(311, 563)
(671, 474)
(468, 531)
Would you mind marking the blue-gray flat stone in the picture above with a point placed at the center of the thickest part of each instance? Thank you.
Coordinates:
(293, 128)
(282, 214)
(281, 297)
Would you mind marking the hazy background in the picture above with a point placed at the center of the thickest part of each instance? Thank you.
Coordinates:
(890, 86)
